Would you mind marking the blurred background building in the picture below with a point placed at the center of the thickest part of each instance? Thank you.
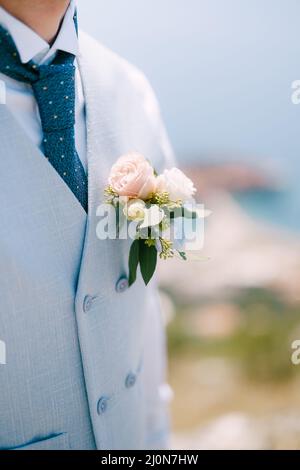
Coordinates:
(223, 72)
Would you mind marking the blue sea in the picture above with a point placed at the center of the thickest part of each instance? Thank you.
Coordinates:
(223, 73)
(280, 208)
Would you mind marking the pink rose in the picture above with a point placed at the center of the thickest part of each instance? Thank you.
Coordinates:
(132, 176)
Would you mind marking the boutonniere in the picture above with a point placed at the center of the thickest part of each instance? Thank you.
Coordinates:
(149, 203)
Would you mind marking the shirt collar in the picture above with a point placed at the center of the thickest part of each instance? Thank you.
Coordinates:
(32, 47)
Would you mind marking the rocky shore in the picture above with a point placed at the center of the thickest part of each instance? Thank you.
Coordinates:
(240, 251)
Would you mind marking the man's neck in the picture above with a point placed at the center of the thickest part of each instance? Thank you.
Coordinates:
(42, 16)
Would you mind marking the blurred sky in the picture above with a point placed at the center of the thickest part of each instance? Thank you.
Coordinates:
(222, 70)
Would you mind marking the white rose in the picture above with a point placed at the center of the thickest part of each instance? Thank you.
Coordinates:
(177, 184)
(135, 209)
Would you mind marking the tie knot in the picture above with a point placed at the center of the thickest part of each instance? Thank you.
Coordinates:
(54, 89)
(11, 65)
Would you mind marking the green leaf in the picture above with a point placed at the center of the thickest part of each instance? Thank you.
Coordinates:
(133, 261)
(183, 255)
(148, 259)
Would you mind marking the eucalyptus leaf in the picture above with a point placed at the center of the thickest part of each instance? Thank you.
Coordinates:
(133, 261)
(148, 260)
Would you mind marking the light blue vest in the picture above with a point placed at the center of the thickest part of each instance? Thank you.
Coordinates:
(85, 353)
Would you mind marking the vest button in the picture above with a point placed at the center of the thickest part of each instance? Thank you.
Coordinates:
(102, 405)
(122, 285)
(130, 380)
(88, 303)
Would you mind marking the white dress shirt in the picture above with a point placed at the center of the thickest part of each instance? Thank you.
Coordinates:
(19, 96)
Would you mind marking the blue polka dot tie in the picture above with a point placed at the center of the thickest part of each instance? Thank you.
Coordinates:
(54, 89)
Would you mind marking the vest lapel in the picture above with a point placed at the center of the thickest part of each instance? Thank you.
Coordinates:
(107, 140)
(22, 157)
(103, 142)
